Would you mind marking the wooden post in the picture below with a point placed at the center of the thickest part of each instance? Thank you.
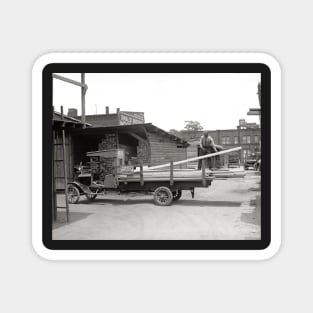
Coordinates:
(203, 173)
(83, 93)
(118, 112)
(141, 174)
(54, 198)
(65, 168)
(83, 87)
(171, 173)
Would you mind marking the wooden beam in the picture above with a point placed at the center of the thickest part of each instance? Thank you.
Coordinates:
(203, 172)
(210, 155)
(148, 144)
(71, 81)
(65, 169)
(83, 99)
(171, 173)
(141, 175)
(137, 137)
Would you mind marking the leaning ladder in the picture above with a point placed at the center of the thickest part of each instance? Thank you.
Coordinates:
(55, 205)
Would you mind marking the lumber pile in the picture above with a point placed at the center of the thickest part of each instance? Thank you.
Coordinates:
(181, 175)
(108, 142)
(101, 166)
(142, 153)
(103, 161)
(236, 173)
(178, 175)
(210, 155)
(161, 172)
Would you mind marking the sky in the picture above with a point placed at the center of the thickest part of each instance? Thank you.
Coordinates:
(216, 100)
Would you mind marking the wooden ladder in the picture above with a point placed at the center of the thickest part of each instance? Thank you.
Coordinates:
(54, 200)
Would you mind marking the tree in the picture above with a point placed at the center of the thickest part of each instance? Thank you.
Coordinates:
(193, 126)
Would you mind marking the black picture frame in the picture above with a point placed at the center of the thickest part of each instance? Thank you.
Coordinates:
(47, 113)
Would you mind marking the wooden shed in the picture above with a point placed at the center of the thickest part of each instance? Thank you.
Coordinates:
(58, 123)
(130, 145)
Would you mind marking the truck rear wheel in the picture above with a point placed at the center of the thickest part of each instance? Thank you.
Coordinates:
(163, 196)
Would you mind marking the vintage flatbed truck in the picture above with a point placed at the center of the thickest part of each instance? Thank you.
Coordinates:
(166, 185)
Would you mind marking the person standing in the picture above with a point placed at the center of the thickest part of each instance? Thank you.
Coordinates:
(207, 146)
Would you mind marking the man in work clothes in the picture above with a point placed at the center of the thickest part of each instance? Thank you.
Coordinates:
(207, 146)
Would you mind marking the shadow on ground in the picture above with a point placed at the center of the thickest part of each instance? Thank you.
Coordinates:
(74, 217)
(208, 203)
(182, 202)
(254, 217)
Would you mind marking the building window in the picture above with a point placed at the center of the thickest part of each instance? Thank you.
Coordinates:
(248, 139)
(256, 139)
(236, 140)
(244, 139)
(246, 153)
(225, 141)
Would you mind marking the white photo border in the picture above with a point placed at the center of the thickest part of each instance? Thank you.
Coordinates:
(158, 57)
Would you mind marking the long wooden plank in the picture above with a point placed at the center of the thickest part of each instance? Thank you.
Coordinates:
(163, 179)
(210, 155)
(184, 173)
(167, 173)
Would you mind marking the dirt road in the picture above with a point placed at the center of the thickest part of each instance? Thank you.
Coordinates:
(229, 209)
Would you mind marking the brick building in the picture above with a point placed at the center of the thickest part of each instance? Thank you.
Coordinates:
(246, 135)
(111, 119)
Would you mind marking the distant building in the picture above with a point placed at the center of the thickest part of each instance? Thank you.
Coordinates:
(112, 119)
(246, 135)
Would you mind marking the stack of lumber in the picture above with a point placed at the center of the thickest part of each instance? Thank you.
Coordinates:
(235, 173)
(108, 142)
(191, 173)
(142, 152)
(102, 166)
(178, 175)
(161, 172)
(103, 161)
(210, 155)
(222, 173)
(94, 165)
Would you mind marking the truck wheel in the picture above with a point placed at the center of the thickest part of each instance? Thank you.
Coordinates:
(163, 196)
(72, 194)
(176, 195)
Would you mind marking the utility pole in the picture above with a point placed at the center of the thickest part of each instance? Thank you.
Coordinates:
(83, 93)
(84, 88)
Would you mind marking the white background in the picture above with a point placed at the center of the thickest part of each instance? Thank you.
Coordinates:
(32, 28)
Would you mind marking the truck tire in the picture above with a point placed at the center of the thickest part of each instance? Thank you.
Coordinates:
(163, 196)
(73, 194)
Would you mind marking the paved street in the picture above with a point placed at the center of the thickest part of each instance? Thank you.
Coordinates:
(229, 209)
